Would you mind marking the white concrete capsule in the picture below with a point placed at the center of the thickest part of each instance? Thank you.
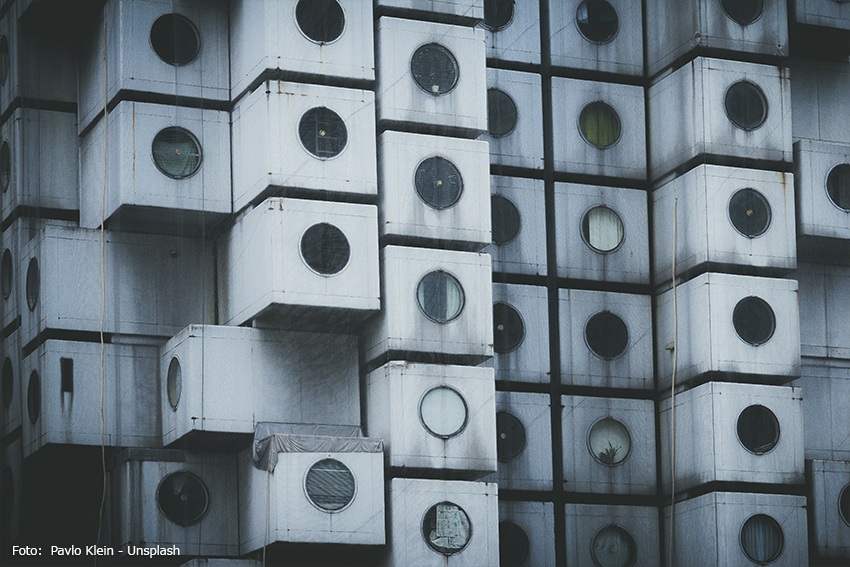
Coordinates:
(514, 119)
(829, 502)
(823, 189)
(822, 13)
(467, 12)
(511, 34)
(825, 320)
(826, 388)
(526, 533)
(12, 384)
(819, 99)
(612, 535)
(520, 333)
(518, 223)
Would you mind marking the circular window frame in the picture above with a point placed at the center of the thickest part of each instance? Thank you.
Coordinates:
(524, 436)
(194, 29)
(34, 387)
(7, 274)
(301, 142)
(310, 39)
(624, 530)
(590, 447)
(845, 490)
(522, 322)
(197, 145)
(628, 336)
(428, 540)
(826, 183)
(307, 264)
(744, 550)
(592, 41)
(459, 175)
(585, 239)
(775, 420)
(513, 127)
(8, 385)
(767, 204)
(313, 503)
(519, 218)
(739, 22)
(527, 544)
(758, 90)
(462, 297)
(454, 63)
(5, 51)
(6, 149)
(772, 316)
(33, 284)
(207, 494)
(619, 126)
(510, 21)
(176, 404)
(465, 412)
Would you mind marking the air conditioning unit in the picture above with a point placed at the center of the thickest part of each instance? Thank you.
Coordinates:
(520, 333)
(433, 418)
(437, 304)
(609, 445)
(823, 192)
(829, 502)
(442, 523)
(431, 76)
(284, 377)
(176, 49)
(613, 535)
(523, 441)
(322, 41)
(742, 325)
(825, 326)
(514, 119)
(721, 108)
(511, 34)
(602, 233)
(175, 498)
(526, 534)
(518, 222)
(822, 13)
(464, 12)
(825, 383)
(38, 161)
(434, 190)
(724, 216)
(728, 432)
(726, 528)
(752, 27)
(11, 490)
(322, 490)
(294, 138)
(11, 384)
(300, 262)
(602, 36)
(606, 339)
(599, 128)
(155, 285)
(821, 111)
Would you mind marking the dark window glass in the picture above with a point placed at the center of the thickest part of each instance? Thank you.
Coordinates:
(438, 182)
(606, 335)
(183, 498)
(758, 429)
(321, 21)
(746, 105)
(613, 547)
(743, 11)
(838, 186)
(8, 382)
(330, 485)
(844, 504)
(434, 69)
(33, 284)
(504, 218)
(602, 229)
(510, 436)
(597, 21)
(762, 539)
(34, 397)
(323, 132)
(175, 39)
(4, 59)
(5, 166)
(174, 383)
(753, 320)
(66, 374)
(501, 113)
(508, 329)
(446, 528)
(609, 441)
(498, 13)
(6, 267)
(513, 545)
(176, 152)
(599, 125)
(325, 249)
(440, 296)
(749, 212)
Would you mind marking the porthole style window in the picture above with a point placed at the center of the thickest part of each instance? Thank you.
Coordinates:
(838, 186)
(176, 152)
(597, 21)
(321, 21)
(446, 528)
(504, 218)
(762, 539)
(844, 504)
(443, 412)
(609, 441)
(438, 182)
(8, 382)
(602, 229)
(175, 39)
(329, 485)
(6, 267)
(607, 335)
(753, 320)
(174, 383)
(322, 132)
(746, 105)
(434, 69)
(498, 14)
(183, 498)
(5, 166)
(325, 249)
(510, 436)
(514, 546)
(599, 125)
(4, 59)
(440, 296)
(744, 12)
(33, 284)
(758, 429)
(34, 397)
(508, 328)
(501, 113)
(749, 212)
(613, 546)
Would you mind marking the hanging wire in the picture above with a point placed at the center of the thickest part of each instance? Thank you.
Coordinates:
(673, 386)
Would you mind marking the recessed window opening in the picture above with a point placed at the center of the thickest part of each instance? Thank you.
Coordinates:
(174, 383)
(838, 186)
(762, 539)
(508, 328)
(175, 39)
(438, 182)
(443, 412)
(66, 374)
(514, 546)
(33, 284)
(599, 125)
(34, 397)
(613, 546)
(330, 486)
(498, 14)
(4, 59)
(602, 229)
(758, 429)
(754, 320)
(744, 12)
(504, 219)
(323, 132)
(510, 436)
(446, 528)
(183, 498)
(597, 21)
(749, 212)
(440, 296)
(176, 152)
(6, 267)
(434, 69)
(501, 113)
(609, 442)
(5, 166)
(325, 249)
(606, 335)
(746, 105)
(321, 21)
(8, 382)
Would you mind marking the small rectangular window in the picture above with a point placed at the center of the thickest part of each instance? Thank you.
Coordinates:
(66, 368)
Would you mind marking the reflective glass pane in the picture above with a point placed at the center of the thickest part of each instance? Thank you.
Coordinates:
(613, 547)
(176, 152)
(434, 69)
(746, 105)
(440, 296)
(446, 528)
(175, 39)
(321, 21)
(501, 113)
(758, 429)
(330, 485)
(508, 328)
(498, 13)
(602, 229)
(606, 335)
(597, 21)
(174, 383)
(443, 412)
(599, 124)
(761, 538)
(838, 186)
(325, 249)
(753, 320)
(510, 436)
(749, 212)
(322, 132)
(438, 182)
(513, 545)
(844, 504)
(609, 441)
(505, 219)
(743, 11)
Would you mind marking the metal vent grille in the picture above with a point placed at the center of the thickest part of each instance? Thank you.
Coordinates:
(183, 498)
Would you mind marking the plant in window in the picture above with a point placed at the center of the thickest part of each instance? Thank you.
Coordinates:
(609, 455)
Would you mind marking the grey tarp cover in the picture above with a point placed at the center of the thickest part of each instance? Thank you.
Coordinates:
(273, 438)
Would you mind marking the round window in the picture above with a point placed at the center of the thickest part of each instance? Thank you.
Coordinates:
(838, 186)
(175, 39)
(602, 229)
(176, 152)
(33, 284)
(613, 546)
(606, 335)
(440, 296)
(183, 498)
(762, 539)
(508, 329)
(434, 69)
(758, 429)
(510, 436)
(329, 485)
(504, 218)
(749, 212)
(325, 249)
(5, 166)
(597, 21)
(609, 441)
(501, 113)
(498, 14)
(34, 397)
(438, 182)
(513, 545)
(4, 59)
(6, 267)
(844, 504)
(746, 105)
(323, 132)
(8, 382)
(599, 125)
(174, 383)
(443, 412)
(743, 11)
(321, 21)
(446, 528)
(753, 320)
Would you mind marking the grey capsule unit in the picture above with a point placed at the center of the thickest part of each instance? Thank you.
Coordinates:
(514, 119)
(822, 13)
(829, 502)
(517, 211)
(467, 12)
(520, 333)
(826, 386)
(10, 301)
(512, 34)
(618, 535)
(825, 326)
(526, 533)
(12, 384)
(819, 101)
(823, 202)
